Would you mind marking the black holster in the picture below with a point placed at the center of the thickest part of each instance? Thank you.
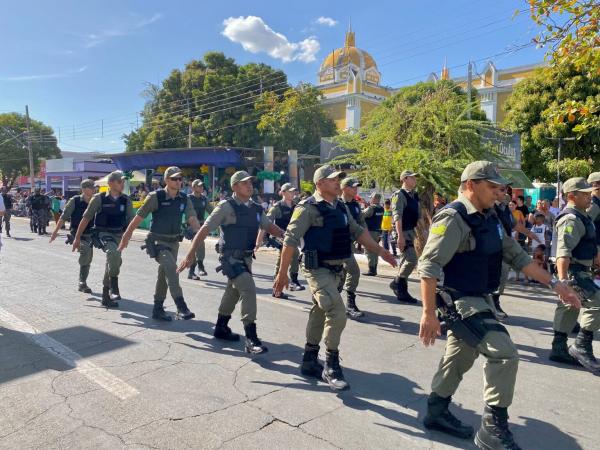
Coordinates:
(232, 270)
(310, 259)
(471, 330)
(582, 281)
(153, 248)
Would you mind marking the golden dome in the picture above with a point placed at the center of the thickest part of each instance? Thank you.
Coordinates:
(348, 54)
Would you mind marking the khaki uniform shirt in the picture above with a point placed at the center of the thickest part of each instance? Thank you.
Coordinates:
(306, 216)
(570, 231)
(398, 205)
(275, 212)
(151, 204)
(69, 208)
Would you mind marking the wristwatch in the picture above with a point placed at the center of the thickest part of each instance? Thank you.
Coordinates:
(553, 282)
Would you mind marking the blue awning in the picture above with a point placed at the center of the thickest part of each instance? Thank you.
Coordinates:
(186, 157)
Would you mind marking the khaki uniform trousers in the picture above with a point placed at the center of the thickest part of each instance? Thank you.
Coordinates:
(408, 257)
(294, 264)
(499, 369)
(113, 256)
(327, 317)
(351, 274)
(241, 289)
(201, 254)
(373, 258)
(168, 278)
(565, 316)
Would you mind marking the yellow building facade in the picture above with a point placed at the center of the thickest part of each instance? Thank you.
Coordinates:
(350, 83)
(493, 85)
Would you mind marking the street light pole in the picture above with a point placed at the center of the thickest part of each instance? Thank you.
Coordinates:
(560, 141)
(31, 169)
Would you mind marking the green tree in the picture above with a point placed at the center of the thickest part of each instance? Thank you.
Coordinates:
(423, 128)
(14, 157)
(215, 95)
(295, 120)
(543, 106)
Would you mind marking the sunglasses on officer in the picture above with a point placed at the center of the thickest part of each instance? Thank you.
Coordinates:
(176, 179)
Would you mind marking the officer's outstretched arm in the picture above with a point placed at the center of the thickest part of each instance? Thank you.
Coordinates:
(564, 291)
(129, 232)
(429, 328)
(190, 257)
(282, 280)
(59, 225)
(275, 231)
(194, 223)
(367, 241)
(80, 229)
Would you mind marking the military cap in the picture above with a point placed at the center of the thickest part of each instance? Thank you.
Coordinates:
(287, 187)
(197, 183)
(171, 172)
(408, 173)
(483, 170)
(117, 175)
(87, 184)
(241, 175)
(594, 177)
(350, 182)
(577, 184)
(327, 172)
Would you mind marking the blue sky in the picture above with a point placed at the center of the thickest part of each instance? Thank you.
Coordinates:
(76, 63)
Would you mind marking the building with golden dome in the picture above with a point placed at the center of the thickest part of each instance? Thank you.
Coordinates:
(350, 83)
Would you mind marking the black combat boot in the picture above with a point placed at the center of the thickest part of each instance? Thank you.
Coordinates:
(201, 270)
(83, 274)
(222, 330)
(192, 273)
(371, 273)
(182, 310)
(332, 373)
(107, 300)
(500, 314)
(560, 351)
(352, 310)
(114, 288)
(311, 367)
(158, 312)
(583, 352)
(494, 433)
(400, 287)
(441, 419)
(253, 344)
(295, 284)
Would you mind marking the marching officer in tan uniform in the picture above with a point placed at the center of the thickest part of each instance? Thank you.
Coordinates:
(201, 206)
(373, 216)
(328, 229)
(168, 207)
(281, 214)
(467, 244)
(576, 252)
(406, 207)
(351, 273)
(240, 219)
(74, 210)
(110, 213)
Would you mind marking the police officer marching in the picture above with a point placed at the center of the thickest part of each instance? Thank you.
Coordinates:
(201, 206)
(240, 219)
(373, 216)
(74, 210)
(406, 207)
(281, 214)
(110, 212)
(8, 205)
(168, 206)
(467, 243)
(594, 209)
(328, 229)
(351, 276)
(576, 252)
(40, 203)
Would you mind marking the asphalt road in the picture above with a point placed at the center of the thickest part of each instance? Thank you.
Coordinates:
(75, 375)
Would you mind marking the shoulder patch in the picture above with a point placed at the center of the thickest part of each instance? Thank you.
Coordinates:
(438, 230)
(296, 213)
(569, 229)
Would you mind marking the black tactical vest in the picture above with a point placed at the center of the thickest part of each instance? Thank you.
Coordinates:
(506, 218)
(286, 215)
(596, 200)
(77, 215)
(332, 240)
(8, 204)
(354, 209)
(411, 212)
(199, 204)
(167, 218)
(242, 234)
(586, 248)
(374, 222)
(37, 201)
(477, 272)
(112, 215)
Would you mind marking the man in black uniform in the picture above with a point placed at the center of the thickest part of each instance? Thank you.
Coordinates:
(8, 204)
(39, 211)
(201, 206)
(373, 215)
(74, 210)
(110, 212)
(168, 206)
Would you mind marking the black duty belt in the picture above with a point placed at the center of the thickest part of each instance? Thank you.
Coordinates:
(332, 267)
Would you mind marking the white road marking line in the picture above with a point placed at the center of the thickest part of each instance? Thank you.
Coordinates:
(96, 374)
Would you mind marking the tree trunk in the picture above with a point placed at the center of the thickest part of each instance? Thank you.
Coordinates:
(422, 230)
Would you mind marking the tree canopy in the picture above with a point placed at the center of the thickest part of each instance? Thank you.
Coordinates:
(544, 106)
(14, 158)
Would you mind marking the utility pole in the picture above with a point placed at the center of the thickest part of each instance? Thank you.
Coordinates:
(560, 141)
(469, 84)
(189, 124)
(31, 169)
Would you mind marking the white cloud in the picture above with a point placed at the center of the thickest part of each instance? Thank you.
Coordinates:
(45, 76)
(327, 21)
(95, 39)
(256, 36)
